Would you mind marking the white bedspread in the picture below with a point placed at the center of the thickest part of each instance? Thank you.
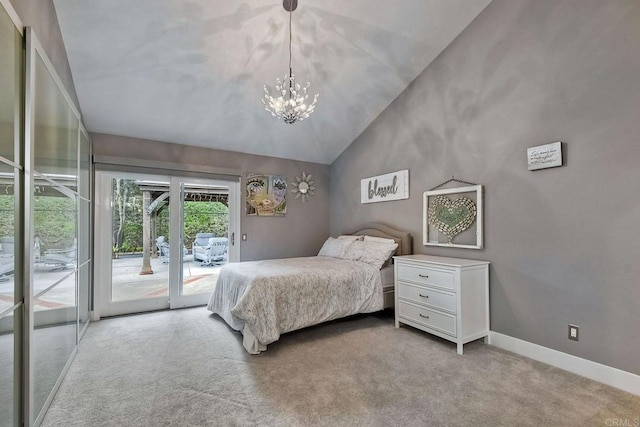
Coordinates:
(264, 299)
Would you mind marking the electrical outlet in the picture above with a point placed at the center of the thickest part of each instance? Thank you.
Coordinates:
(574, 332)
(244, 237)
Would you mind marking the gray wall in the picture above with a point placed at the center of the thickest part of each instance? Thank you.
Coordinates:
(41, 16)
(564, 243)
(300, 233)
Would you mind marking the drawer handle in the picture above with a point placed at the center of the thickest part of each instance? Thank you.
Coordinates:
(426, 276)
(422, 315)
(424, 296)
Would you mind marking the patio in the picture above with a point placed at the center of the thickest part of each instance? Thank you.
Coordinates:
(127, 283)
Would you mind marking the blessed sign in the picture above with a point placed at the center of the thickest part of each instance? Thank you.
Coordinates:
(382, 188)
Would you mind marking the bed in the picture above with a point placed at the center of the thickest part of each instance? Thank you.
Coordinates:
(264, 299)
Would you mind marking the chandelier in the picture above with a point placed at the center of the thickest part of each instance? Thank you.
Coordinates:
(290, 105)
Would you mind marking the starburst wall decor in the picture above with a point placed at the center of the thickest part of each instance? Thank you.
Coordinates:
(304, 187)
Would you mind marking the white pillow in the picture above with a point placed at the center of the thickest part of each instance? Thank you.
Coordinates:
(350, 237)
(374, 253)
(378, 239)
(384, 240)
(335, 248)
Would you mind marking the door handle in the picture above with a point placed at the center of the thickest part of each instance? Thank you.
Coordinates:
(233, 239)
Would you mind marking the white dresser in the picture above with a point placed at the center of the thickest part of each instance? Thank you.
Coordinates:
(447, 297)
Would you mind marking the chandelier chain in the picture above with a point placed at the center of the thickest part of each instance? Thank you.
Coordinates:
(290, 67)
(290, 31)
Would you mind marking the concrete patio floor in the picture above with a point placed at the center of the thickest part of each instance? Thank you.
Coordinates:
(127, 283)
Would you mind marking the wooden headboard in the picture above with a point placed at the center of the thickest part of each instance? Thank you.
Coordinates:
(375, 229)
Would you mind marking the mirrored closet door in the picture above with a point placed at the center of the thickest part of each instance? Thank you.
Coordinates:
(11, 212)
(45, 226)
(56, 272)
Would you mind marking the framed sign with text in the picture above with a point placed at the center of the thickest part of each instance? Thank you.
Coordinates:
(383, 188)
(544, 156)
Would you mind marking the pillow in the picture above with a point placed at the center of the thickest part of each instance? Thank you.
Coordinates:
(378, 239)
(335, 248)
(384, 240)
(349, 237)
(374, 253)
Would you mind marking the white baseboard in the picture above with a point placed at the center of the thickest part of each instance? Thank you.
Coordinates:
(595, 371)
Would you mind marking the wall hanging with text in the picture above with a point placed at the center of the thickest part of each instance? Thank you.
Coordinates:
(383, 188)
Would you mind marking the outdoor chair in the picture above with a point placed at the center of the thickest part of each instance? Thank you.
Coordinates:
(163, 249)
(61, 258)
(7, 260)
(6, 245)
(210, 250)
(7, 264)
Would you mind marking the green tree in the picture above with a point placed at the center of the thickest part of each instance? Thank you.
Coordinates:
(205, 217)
(127, 213)
(54, 220)
(7, 215)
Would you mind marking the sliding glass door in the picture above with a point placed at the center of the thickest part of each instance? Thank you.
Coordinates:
(132, 215)
(162, 240)
(206, 229)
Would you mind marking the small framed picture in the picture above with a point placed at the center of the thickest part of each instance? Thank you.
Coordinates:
(452, 217)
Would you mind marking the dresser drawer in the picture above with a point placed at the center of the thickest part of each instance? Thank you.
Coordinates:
(442, 322)
(427, 276)
(429, 296)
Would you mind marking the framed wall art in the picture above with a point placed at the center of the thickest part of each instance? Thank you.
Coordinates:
(452, 217)
(266, 194)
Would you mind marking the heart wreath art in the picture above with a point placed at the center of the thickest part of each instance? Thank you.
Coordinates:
(451, 217)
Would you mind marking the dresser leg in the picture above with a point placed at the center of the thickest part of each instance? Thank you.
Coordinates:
(397, 324)
(460, 347)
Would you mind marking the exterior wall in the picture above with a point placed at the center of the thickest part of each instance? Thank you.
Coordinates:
(300, 233)
(563, 243)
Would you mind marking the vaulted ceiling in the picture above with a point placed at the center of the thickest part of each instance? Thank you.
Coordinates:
(192, 71)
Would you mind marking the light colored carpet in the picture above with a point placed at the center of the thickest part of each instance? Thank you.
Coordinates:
(187, 368)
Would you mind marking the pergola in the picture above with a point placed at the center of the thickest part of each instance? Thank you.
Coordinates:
(155, 198)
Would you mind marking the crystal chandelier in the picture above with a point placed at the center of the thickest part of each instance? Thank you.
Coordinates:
(290, 105)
